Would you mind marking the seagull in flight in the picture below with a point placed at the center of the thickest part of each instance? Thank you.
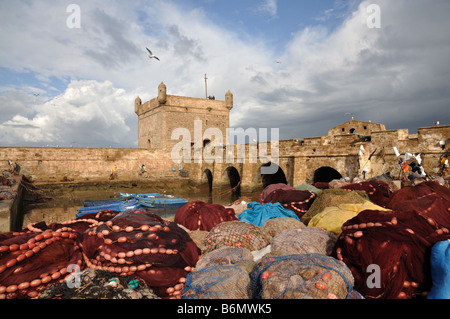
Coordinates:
(151, 56)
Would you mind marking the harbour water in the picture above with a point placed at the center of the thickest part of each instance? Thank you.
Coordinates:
(61, 204)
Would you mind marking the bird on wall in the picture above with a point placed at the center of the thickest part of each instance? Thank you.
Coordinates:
(152, 56)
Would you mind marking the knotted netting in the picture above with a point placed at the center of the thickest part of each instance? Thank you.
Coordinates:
(199, 215)
(301, 276)
(276, 225)
(398, 242)
(296, 200)
(141, 243)
(304, 241)
(236, 234)
(38, 256)
(224, 256)
(377, 190)
(333, 198)
(218, 282)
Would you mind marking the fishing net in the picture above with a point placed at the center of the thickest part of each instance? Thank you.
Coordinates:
(100, 284)
(199, 215)
(142, 244)
(219, 282)
(332, 218)
(398, 243)
(276, 225)
(38, 256)
(297, 201)
(224, 256)
(305, 276)
(333, 198)
(236, 234)
(270, 188)
(304, 241)
(377, 190)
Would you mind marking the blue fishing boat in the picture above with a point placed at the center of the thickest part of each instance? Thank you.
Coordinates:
(157, 200)
(132, 204)
(101, 202)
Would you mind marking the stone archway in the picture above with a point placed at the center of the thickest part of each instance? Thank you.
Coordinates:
(235, 181)
(268, 179)
(325, 174)
(207, 177)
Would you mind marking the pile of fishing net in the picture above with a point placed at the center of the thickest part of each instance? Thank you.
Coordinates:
(333, 198)
(332, 218)
(39, 256)
(398, 242)
(378, 191)
(257, 213)
(304, 241)
(236, 234)
(99, 284)
(142, 244)
(304, 276)
(297, 201)
(270, 188)
(221, 274)
(199, 215)
(276, 225)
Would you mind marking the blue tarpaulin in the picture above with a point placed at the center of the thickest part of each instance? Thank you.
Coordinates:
(440, 270)
(257, 213)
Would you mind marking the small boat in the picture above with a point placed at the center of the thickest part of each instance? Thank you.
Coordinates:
(122, 194)
(101, 202)
(118, 206)
(157, 200)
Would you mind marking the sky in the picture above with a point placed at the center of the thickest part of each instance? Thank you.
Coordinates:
(300, 66)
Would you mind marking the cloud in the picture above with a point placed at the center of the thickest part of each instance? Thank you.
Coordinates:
(87, 113)
(396, 75)
(269, 7)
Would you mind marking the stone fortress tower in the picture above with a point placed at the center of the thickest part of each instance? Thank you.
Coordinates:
(159, 117)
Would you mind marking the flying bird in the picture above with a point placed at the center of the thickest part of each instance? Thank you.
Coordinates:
(151, 56)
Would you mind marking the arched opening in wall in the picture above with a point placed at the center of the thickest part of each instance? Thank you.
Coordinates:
(326, 174)
(207, 177)
(353, 131)
(235, 182)
(276, 178)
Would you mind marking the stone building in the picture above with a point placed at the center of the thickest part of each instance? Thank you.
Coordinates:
(160, 117)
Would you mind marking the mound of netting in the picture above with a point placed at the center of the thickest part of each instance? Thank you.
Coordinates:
(398, 243)
(270, 188)
(142, 244)
(219, 282)
(332, 218)
(236, 234)
(418, 191)
(333, 198)
(224, 256)
(276, 225)
(295, 200)
(257, 213)
(199, 215)
(377, 190)
(99, 284)
(309, 240)
(38, 256)
(304, 276)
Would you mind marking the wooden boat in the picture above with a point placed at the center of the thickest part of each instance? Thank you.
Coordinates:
(157, 200)
(101, 202)
(118, 206)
